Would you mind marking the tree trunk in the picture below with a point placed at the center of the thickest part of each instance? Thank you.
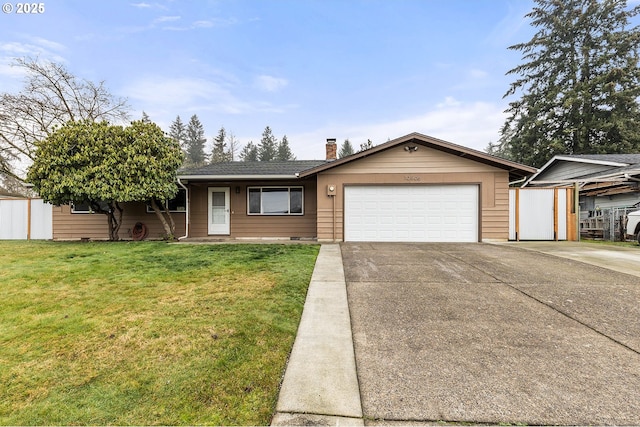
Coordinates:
(114, 217)
(116, 212)
(169, 227)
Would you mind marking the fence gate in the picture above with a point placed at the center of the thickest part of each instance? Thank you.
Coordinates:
(540, 214)
(23, 219)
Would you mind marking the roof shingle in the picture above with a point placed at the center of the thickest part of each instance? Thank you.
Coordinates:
(274, 168)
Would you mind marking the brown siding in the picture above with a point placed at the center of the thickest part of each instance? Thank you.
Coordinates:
(424, 166)
(258, 226)
(76, 226)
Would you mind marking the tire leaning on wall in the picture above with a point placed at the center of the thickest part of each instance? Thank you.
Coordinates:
(139, 231)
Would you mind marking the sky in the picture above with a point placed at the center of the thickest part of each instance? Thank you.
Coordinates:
(309, 69)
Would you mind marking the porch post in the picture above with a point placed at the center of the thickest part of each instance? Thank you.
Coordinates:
(576, 201)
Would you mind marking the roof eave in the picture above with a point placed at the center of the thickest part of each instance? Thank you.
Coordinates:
(558, 158)
(234, 177)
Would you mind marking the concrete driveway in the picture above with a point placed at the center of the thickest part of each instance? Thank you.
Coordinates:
(481, 333)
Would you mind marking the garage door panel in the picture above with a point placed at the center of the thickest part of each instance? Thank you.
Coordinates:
(412, 213)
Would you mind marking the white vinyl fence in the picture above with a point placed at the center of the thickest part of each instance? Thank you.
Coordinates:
(538, 213)
(23, 219)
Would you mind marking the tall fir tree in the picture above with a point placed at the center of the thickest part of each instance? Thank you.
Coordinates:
(249, 153)
(346, 149)
(268, 146)
(284, 151)
(219, 151)
(194, 143)
(579, 83)
(178, 132)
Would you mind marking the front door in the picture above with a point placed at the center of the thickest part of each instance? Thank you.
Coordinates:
(219, 210)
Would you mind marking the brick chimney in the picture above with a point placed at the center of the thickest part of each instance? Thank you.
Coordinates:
(332, 149)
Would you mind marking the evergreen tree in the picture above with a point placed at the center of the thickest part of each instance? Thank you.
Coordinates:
(249, 153)
(219, 152)
(194, 143)
(178, 132)
(284, 152)
(267, 149)
(580, 83)
(346, 149)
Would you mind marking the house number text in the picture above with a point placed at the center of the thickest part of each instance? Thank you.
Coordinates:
(412, 178)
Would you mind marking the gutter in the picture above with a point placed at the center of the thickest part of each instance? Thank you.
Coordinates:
(186, 213)
(234, 177)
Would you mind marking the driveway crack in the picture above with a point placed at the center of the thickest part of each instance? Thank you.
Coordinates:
(552, 307)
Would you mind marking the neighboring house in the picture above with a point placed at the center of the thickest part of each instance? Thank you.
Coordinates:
(414, 188)
(608, 186)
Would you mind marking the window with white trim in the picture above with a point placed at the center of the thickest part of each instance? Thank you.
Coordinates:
(85, 207)
(177, 204)
(275, 201)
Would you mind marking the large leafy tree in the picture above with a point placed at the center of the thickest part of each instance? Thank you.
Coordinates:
(194, 143)
(105, 165)
(579, 83)
(51, 97)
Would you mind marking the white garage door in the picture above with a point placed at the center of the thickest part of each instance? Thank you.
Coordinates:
(411, 213)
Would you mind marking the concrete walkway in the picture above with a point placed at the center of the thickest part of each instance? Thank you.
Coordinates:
(320, 385)
(618, 258)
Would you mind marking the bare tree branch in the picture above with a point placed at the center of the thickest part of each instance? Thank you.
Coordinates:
(51, 97)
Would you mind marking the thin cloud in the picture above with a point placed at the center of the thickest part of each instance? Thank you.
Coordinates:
(514, 22)
(199, 95)
(470, 124)
(201, 24)
(270, 83)
(143, 5)
(36, 48)
(162, 19)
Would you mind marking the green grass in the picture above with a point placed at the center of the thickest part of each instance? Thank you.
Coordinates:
(147, 333)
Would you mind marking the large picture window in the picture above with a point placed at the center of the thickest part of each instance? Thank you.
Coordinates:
(275, 201)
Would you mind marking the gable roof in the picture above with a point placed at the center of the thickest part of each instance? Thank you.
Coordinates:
(605, 158)
(603, 168)
(250, 170)
(305, 168)
(516, 170)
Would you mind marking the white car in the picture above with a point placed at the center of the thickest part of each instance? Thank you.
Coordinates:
(633, 226)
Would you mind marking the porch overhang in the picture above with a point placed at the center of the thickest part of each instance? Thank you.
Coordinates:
(186, 178)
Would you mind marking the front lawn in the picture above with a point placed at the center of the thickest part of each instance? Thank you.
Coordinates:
(146, 333)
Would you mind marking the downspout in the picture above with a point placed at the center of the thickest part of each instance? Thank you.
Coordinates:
(186, 212)
(517, 181)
